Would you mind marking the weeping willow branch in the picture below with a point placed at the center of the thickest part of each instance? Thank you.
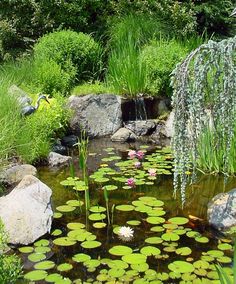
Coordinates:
(204, 81)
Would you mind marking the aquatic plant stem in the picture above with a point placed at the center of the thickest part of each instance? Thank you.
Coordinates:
(107, 203)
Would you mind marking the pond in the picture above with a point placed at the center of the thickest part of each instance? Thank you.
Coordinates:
(136, 233)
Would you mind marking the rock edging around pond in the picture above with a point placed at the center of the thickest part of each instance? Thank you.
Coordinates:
(26, 211)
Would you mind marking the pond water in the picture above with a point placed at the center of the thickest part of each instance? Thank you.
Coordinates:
(152, 247)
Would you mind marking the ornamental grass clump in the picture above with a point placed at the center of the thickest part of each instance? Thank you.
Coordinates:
(205, 82)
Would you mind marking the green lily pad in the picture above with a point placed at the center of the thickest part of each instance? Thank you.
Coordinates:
(224, 259)
(35, 257)
(81, 257)
(65, 208)
(56, 232)
(142, 267)
(92, 263)
(42, 243)
(44, 265)
(201, 264)
(26, 249)
(110, 187)
(178, 220)
(91, 244)
(133, 222)
(64, 241)
(157, 229)
(153, 240)
(170, 237)
(184, 251)
(36, 275)
(120, 250)
(57, 215)
(215, 253)
(125, 207)
(202, 240)
(75, 226)
(225, 247)
(134, 258)
(155, 220)
(54, 277)
(42, 249)
(97, 216)
(150, 250)
(181, 267)
(97, 209)
(116, 272)
(117, 264)
(64, 267)
(99, 225)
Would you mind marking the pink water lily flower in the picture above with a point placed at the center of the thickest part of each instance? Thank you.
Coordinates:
(140, 154)
(131, 182)
(152, 172)
(137, 165)
(132, 154)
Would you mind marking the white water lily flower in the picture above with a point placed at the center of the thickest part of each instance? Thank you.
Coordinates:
(125, 233)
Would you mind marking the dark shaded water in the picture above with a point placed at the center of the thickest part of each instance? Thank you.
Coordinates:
(198, 196)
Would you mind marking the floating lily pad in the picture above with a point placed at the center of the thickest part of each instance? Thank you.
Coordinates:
(157, 229)
(116, 272)
(65, 208)
(57, 215)
(64, 267)
(142, 267)
(91, 244)
(97, 209)
(92, 263)
(42, 249)
(120, 250)
(64, 241)
(181, 267)
(153, 240)
(75, 226)
(42, 243)
(202, 240)
(134, 258)
(225, 247)
(44, 265)
(26, 249)
(56, 232)
(36, 275)
(184, 251)
(201, 264)
(150, 250)
(155, 220)
(99, 225)
(178, 220)
(54, 277)
(125, 207)
(117, 264)
(133, 222)
(224, 259)
(170, 237)
(110, 187)
(35, 257)
(81, 257)
(75, 203)
(215, 253)
(97, 216)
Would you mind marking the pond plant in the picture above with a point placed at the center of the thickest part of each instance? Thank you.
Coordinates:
(142, 243)
(203, 97)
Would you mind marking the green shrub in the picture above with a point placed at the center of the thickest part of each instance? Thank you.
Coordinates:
(50, 76)
(70, 50)
(160, 58)
(92, 88)
(10, 265)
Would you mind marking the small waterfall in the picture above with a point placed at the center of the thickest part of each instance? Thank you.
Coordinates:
(140, 109)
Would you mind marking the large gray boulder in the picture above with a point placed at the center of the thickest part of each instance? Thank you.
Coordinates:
(123, 135)
(26, 212)
(57, 160)
(141, 127)
(98, 115)
(221, 212)
(16, 173)
(168, 128)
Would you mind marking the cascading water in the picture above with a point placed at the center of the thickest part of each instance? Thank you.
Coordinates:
(140, 109)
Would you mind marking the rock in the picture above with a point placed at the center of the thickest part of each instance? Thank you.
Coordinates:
(21, 96)
(141, 127)
(16, 173)
(69, 141)
(58, 148)
(221, 212)
(98, 115)
(56, 160)
(26, 212)
(157, 135)
(168, 129)
(123, 135)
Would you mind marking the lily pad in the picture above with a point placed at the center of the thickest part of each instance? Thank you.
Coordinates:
(97, 216)
(120, 250)
(91, 244)
(54, 277)
(178, 220)
(99, 225)
(64, 241)
(65, 208)
(75, 203)
(225, 247)
(184, 251)
(150, 250)
(56, 232)
(36, 275)
(97, 209)
(116, 272)
(81, 257)
(142, 267)
(155, 220)
(44, 265)
(133, 222)
(125, 207)
(26, 249)
(64, 267)
(35, 257)
(153, 240)
(75, 226)
(42, 243)
(181, 267)
(170, 237)
(134, 258)
(42, 249)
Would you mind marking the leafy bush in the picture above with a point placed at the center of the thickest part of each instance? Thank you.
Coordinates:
(92, 88)
(160, 58)
(70, 50)
(10, 265)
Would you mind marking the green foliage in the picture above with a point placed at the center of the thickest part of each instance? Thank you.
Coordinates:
(126, 72)
(10, 265)
(73, 52)
(92, 88)
(160, 58)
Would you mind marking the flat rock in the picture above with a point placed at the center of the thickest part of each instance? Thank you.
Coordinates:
(98, 115)
(26, 211)
(57, 160)
(141, 127)
(123, 135)
(221, 212)
(16, 173)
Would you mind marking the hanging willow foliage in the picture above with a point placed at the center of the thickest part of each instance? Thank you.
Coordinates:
(205, 82)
